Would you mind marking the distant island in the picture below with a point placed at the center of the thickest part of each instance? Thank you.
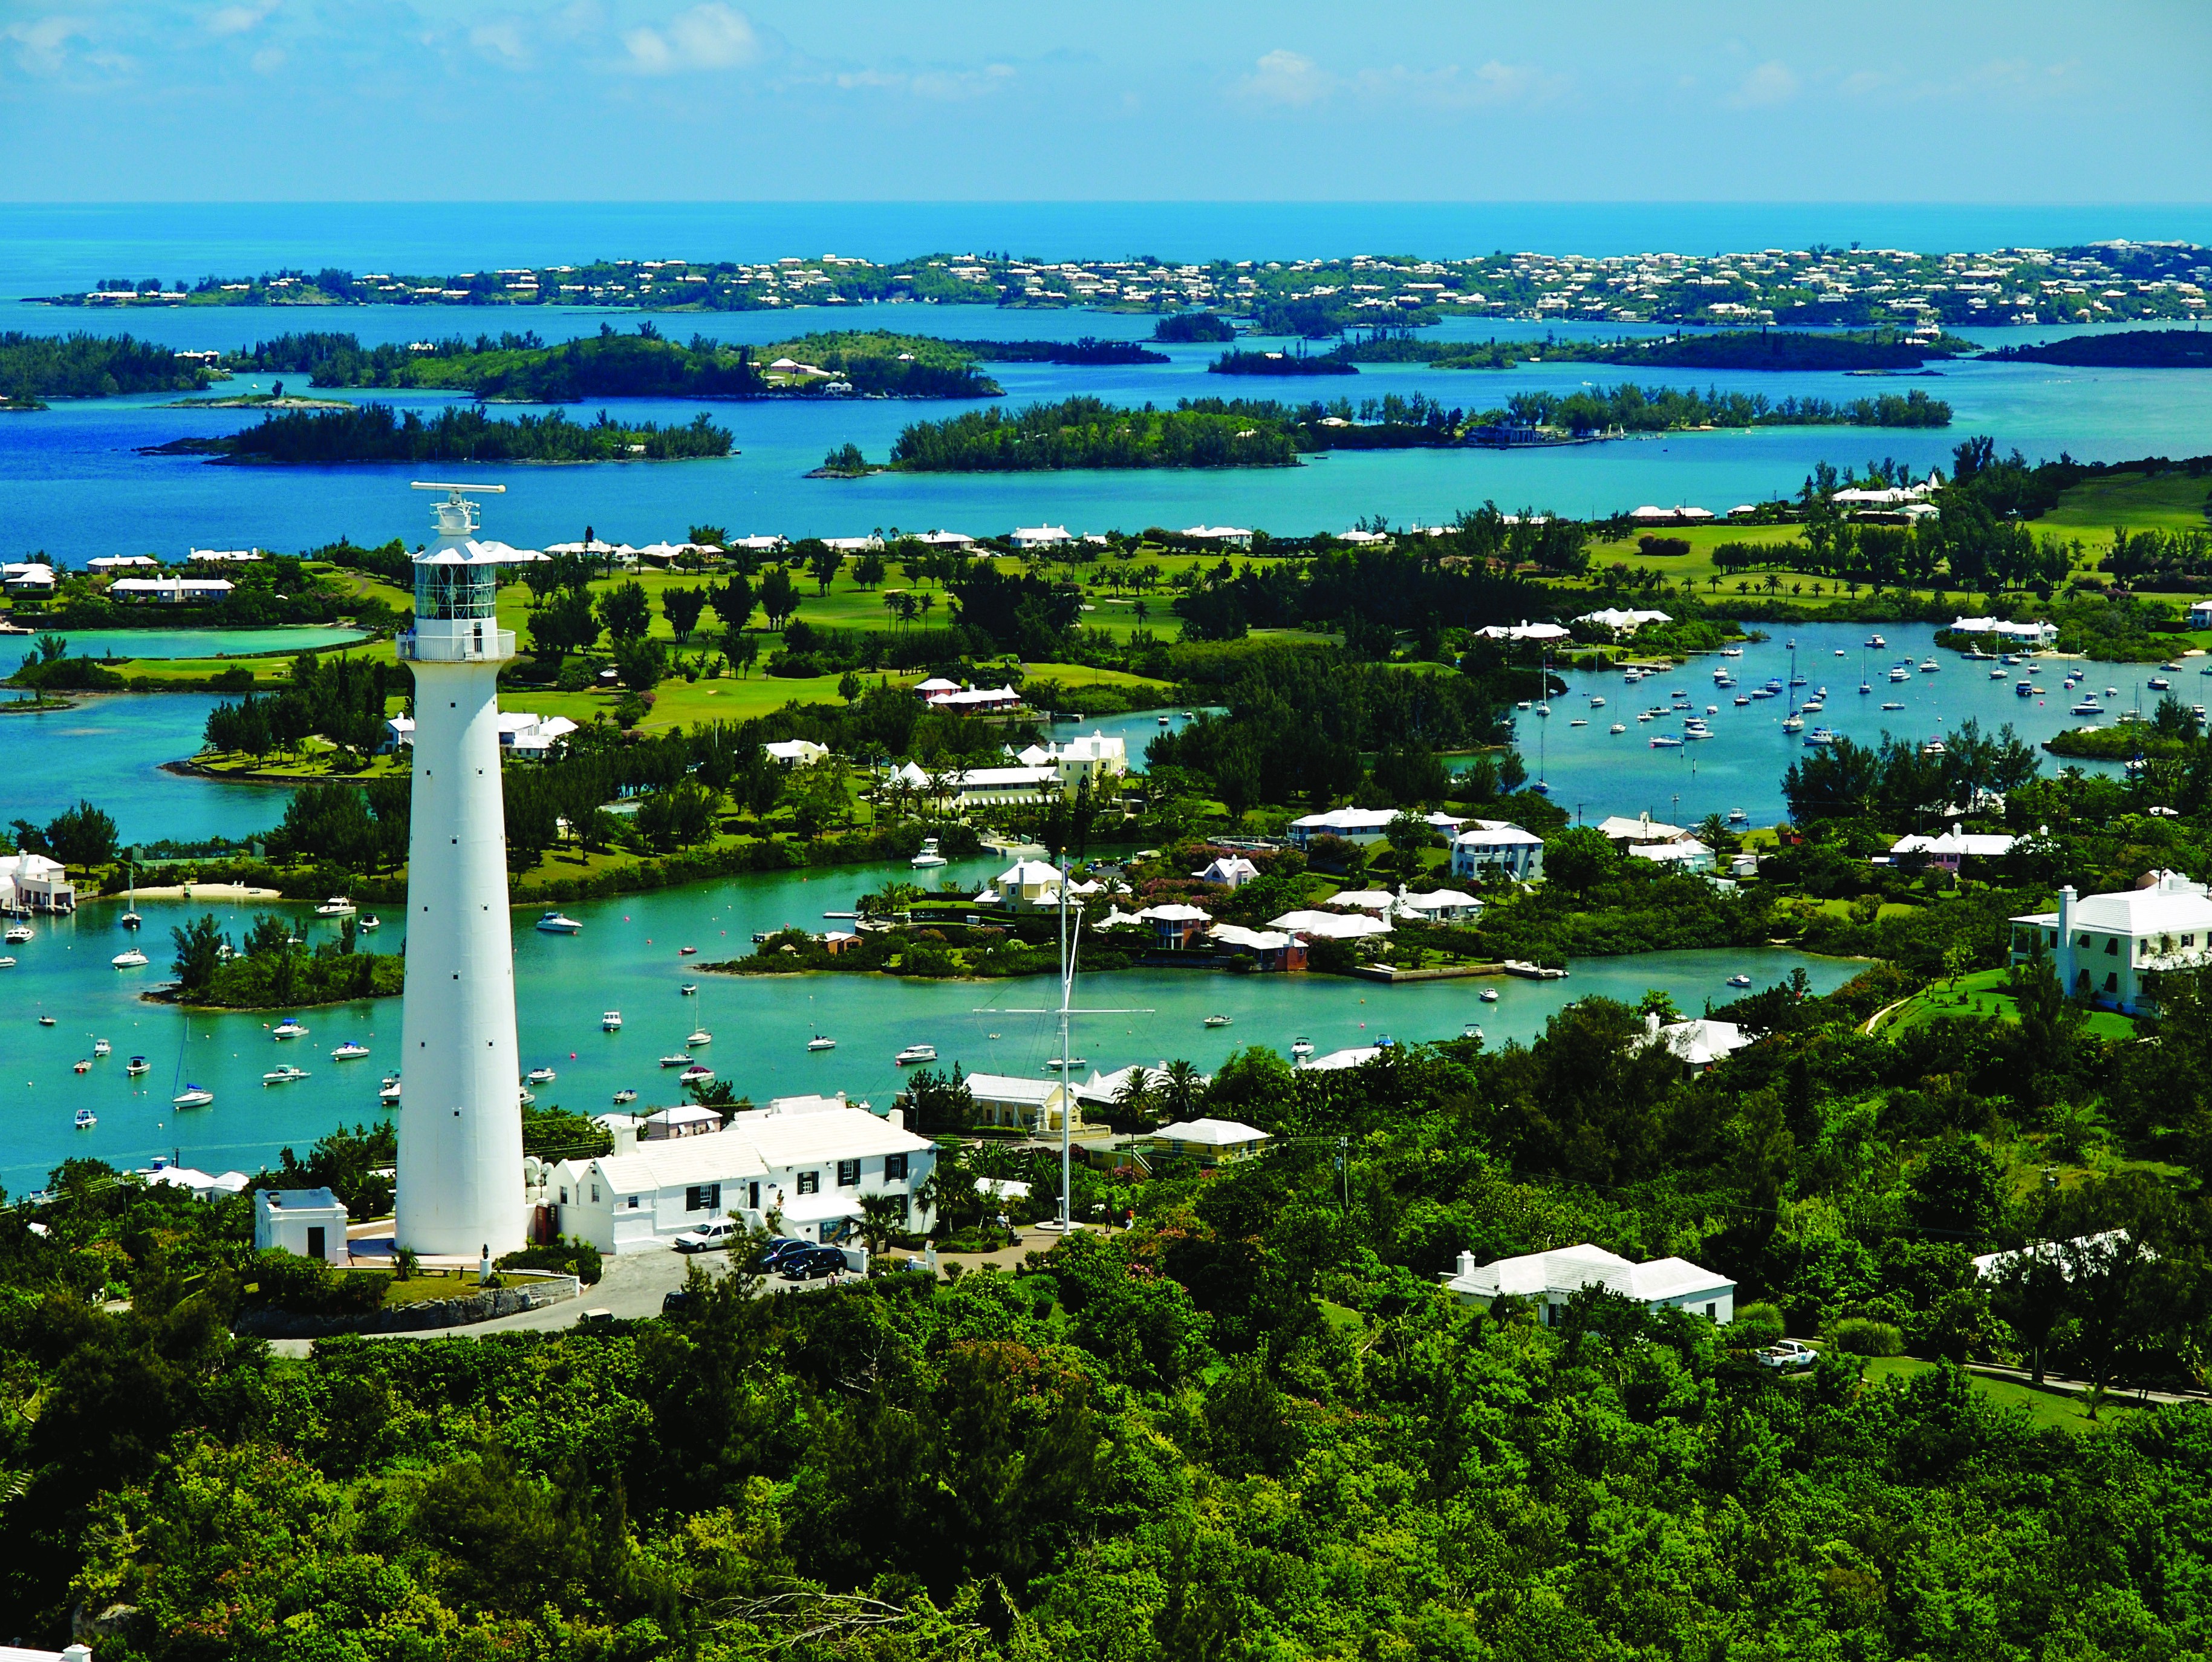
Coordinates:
(36, 368)
(1238, 362)
(1085, 433)
(375, 433)
(1732, 349)
(1822, 287)
(1193, 328)
(2136, 348)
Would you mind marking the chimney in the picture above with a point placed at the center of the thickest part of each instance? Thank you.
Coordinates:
(1467, 1264)
(625, 1140)
(897, 1118)
(2065, 964)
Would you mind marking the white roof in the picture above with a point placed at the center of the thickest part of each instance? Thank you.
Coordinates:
(1984, 843)
(170, 586)
(1648, 512)
(1174, 912)
(1485, 835)
(1012, 1087)
(1437, 900)
(1365, 900)
(683, 1114)
(1227, 867)
(1041, 533)
(1333, 926)
(1698, 1041)
(1642, 829)
(937, 684)
(1557, 1275)
(1024, 872)
(1524, 632)
(1214, 1133)
(794, 750)
(716, 1157)
(1340, 819)
(818, 1136)
(1257, 940)
(1619, 618)
(2172, 904)
(1335, 1059)
(943, 539)
(1683, 849)
(110, 562)
(2035, 631)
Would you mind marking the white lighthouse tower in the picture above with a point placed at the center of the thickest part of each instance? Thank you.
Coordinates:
(461, 1120)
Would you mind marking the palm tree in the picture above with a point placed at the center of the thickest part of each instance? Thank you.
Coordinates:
(1134, 1099)
(1181, 1087)
(883, 1218)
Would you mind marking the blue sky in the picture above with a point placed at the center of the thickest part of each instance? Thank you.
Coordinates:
(943, 100)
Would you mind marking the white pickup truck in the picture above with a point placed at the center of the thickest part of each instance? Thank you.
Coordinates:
(1787, 1354)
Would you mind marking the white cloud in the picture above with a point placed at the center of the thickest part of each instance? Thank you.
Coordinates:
(237, 19)
(955, 86)
(1451, 88)
(40, 43)
(1287, 78)
(710, 37)
(1770, 84)
(502, 42)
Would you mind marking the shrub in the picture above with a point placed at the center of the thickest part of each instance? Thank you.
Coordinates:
(567, 1258)
(1756, 1325)
(308, 1287)
(1856, 1336)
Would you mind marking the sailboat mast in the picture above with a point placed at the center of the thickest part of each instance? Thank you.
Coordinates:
(1066, 1085)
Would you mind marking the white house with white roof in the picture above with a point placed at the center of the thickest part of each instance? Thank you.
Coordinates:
(2038, 634)
(1525, 632)
(1023, 1104)
(1330, 926)
(1947, 848)
(1040, 536)
(1550, 1278)
(1228, 536)
(806, 1161)
(1684, 854)
(308, 1222)
(1094, 758)
(171, 591)
(106, 565)
(795, 752)
(2101, 947)
(1496, 849)
(34, 883)
(1622, 620)
(1231, 871)
(520, 733)
(1363, 824)
(1619, 828)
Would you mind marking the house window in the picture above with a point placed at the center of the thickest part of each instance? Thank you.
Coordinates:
(893, 1168)
(1712, 1313)
(810, 1182)
(848, 1174)
(564, 1197)
(703, 1197)
(753, 1197)
(633, 1203)
(2112, 983)
(595, 1193)
(2112, 946)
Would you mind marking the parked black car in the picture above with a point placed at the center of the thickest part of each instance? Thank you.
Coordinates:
(811, 1263)
(676, 1303)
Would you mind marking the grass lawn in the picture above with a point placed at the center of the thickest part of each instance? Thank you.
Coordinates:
(1982, 994)
(2045, 1409)
(2171, 502)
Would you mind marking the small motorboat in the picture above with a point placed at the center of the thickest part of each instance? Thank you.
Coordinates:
(686, 952)
(352, 1050)
(1839, 652)
(1875, 641)
(1929, 666)
(1473, 1030)
(1731, 652)
(928, 854)
(700, 1036)
(100, 1047)
(539, 1076)
(7, 962)
(680, 1059)
(193, 1096)
(389, 1090)
(337, 906)
(1301, 1048)
(137, 1066)
(82, 1065)
(689, 990)
(2087, 706)
(1072, 1062)
(283, 1075)
(697, 1074)
(1933, 747)
(559, 923)
(821, 1042)
(130, 920)
(18, 934)
(86, 1119)
(2160, 683)
(1738, 817)
(45, 1021)
(1597, 703)
(1618, 727)
(524, 1095)
(1578, 723)
(913, 1054)
(1489, 994)
(1821, 736)
(1892, 706)
(2024, 689)
(1739, 980)
(290, 1027)
(1216, 1022)
(1898, 673)
(623, 1098)
(1665, 741)
(1793, 724)
(369, 920)
(1741, 699)
(610, 1021)
(132, 959)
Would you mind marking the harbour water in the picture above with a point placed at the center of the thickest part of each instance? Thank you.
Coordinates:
(628, 957)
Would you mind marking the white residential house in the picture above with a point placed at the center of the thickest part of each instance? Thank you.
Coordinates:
(757, 544)
(520, 733)
(106, 565)
(1618, 828)
(1490, 850)
(1947, 848)
(1699, 1042)
(1209, 1142)
(223, 555)
(1029, 885)
(944, 539)
(1622, 620)
(1440, 906)
(2039, 634)
(1525, 632)
(1228, 536)
(204, 1186)
(684, 1120)
(1685, 855)
(1040, 536)
(1550, 1278)
(1231, 871)
(806, 1161)
(2200, 614)
(795, 752)
(2101, 947)
(308, 1222)
(854, 544)
(171, 591)
(34, 883)
(1364, 825)
(26, 577)
(1330, 926)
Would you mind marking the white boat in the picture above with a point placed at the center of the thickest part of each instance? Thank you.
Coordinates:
(137, 1066)
(8, 962)
(1738, 817)
(290, 1027)
(83, 1065)
(1741, 699)
(86, 1119)
(1488, 994)
(133, 960)
(1821, 736)
(1892, 706)
(1301, 1048)
(680, 1059)
(687, 952)
(1866, 687)
(539, 1076)
(1933, 747)
(45, 1021)
(2087, 706)
(1793, 724)
(1897, 674)
(1618, 727)
(283, 1075)
(821, 1042)
(689, 988)
(1731, 652)
(1597, 703)
(700, 1036)
(610, 1021)
(369, 921)
(17, 934)
(2160, 683)
(193, 1096)
(1665, 741)
(389, 1091)
(622, 1097)
(1739, 980)
(100, 1047)
(337, 906)
(929, 856)
(1929, 666)
(522, 1094)
(1578, 723)
(913, 1054)
(2000, 674)
(1216, 1022)
(352, 1050)
(697, 1074)
(1054, 1066)
(558, 923)
(1876, 641)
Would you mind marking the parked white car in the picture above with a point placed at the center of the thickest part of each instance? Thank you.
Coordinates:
(1789, 1354)
(708, 1236)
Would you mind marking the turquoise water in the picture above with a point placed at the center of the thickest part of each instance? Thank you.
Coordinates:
(110, 750)
(627, 957)
(179, 642)
(1594, 772)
